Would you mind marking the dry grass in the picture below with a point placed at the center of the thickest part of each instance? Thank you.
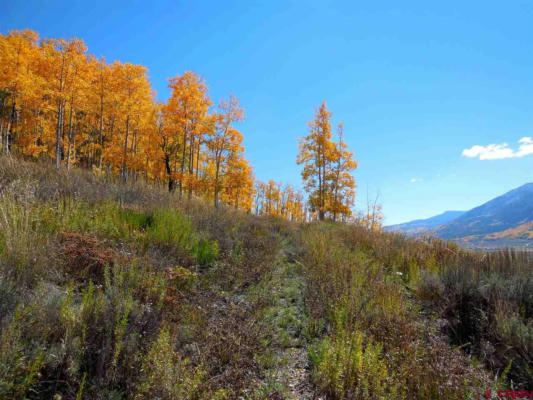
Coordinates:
(121, 291)
(112, 291)
(386, 286)
(371, 339)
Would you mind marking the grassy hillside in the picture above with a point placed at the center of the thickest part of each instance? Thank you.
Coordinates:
(520, 237)
(115, 291)
(524, 231)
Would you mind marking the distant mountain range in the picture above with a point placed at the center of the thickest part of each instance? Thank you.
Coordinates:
(422, 226)
(506, 220)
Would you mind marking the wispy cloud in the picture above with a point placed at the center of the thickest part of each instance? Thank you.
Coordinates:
(414, 180)
(500, 151)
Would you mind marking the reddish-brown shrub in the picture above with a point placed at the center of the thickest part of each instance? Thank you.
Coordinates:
(84, 257)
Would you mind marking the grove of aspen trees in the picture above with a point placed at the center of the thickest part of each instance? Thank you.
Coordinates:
(62, 104)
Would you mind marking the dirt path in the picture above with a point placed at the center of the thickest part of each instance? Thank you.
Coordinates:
(289, 374)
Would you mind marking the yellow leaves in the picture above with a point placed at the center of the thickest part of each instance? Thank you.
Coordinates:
(202, 152)
(59, 101)
(238, 183)
(373, 218)
(188, 105)
(273, 199)
(327, 167)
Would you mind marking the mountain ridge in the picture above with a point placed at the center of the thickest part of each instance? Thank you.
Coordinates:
(424, 224)
(506, 220)
(504, 212)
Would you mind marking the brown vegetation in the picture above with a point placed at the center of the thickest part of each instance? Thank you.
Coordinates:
(110, 290)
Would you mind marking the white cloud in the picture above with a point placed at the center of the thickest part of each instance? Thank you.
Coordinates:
(414, 180)
(526, 147)
(500, 151)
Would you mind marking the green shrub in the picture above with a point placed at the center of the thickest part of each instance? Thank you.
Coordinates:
(106, 218)
(205, 252)
(165, 374)
(169, 227)
(181, 278)
(20, 361)
(349, 366)
(87, 259)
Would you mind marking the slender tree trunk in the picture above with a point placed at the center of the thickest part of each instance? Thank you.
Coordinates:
(8, 129)
(216, 180)
(322, 211)
(168, 169)
(134, 143)
(125, 153)
(320, 193)
(191, 168)
(336, 194)
(2, 125)
(10, 133)
(182, 169)
(2, 135)
(59, 129)
(198, 159)
(74, 148)
(3, 122)
(69, 137)
(146, 168)
(101, 132)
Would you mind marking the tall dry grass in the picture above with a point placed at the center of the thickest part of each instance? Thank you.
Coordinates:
(112, 290)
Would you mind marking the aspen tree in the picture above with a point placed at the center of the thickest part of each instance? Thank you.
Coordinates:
(226, 139)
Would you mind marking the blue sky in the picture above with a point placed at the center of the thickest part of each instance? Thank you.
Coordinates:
(415, 83)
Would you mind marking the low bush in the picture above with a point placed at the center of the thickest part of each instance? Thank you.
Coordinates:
(165, 374)
(347, 367)
(84, 257)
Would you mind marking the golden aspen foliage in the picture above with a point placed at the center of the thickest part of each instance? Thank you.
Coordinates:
(342, 191)
(184, 127)
(327, 167)
(226, 141)
(238, 183)
(273, 199)
(61, 104)
(62, 61)
(19, 90)
(315, 153)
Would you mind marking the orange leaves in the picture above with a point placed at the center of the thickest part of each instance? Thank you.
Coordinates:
(203, 153)
(134, 104)
(327, 167)
(225, 145)
(342, 193)
(18, 83)
(238, 183)
(273, 199)
(184, 127)
(57, 101)
(17, 55)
